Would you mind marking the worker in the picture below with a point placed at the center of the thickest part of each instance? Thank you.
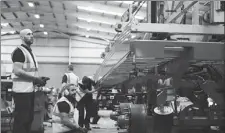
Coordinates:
(86, 102)
(24, 76)
(63, 117)
(69, 78)
(95, 109)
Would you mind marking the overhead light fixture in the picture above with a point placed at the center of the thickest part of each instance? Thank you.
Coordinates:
(126, 2)
(12, 32)
(3, 32)
(89, 20)
(92, 9)
(87, 36)
(31, 4)
(4, 24)
(37, 16)
(46, 33)
(42, 26)
(92, 20)
(88, 29)
(171, 47)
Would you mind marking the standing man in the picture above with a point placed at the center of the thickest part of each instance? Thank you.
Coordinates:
(86, 102)
(24, 75)
(64, 111)
(69, 78)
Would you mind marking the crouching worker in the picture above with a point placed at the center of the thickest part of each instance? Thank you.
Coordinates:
(63, 113)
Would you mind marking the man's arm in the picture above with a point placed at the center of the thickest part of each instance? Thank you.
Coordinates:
(64, 114)
(66, 121)
(18, 59)
(64, 82)
(18, 71)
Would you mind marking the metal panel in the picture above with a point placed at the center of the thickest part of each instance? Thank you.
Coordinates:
(201, 50)
(149, 53)
(179, 29)
(116, 54)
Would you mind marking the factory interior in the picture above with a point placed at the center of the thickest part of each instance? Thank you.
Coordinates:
(112, 66)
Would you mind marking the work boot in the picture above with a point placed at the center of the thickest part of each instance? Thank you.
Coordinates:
(81, 125)
(95, 120)
(88, 127)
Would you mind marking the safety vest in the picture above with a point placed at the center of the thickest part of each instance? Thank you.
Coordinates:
(72, 78)
(21, 85)
(57, 126)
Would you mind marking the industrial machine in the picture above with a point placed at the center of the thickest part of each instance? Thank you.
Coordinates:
(184, 79)
(7, 105)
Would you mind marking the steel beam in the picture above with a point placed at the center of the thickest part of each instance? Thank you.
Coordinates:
(176, 15)
(72, 23)
(178, 29)
(201, 50)
(64, 30)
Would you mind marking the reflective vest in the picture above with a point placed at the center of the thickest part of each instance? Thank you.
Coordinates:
(57, 126)
(72, 78)
(21, 85)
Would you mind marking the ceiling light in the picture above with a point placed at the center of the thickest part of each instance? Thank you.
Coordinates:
(92, 20)
(99, 10)
(31, 4)
(36, 15)
(46, 33)
(87, 36)
(171, 47)
(88, 29)
(4, 24)
(3, 32)
(12, 32)
(89, 20)
(41, 25)
(126, 2)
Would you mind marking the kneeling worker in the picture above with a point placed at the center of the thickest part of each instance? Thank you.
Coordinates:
(63, 113)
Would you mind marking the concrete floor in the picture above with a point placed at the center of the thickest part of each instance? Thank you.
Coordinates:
(105, 124)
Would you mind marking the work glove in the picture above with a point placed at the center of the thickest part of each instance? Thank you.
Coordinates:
(39, 81)
(83, 130)
(45, 80)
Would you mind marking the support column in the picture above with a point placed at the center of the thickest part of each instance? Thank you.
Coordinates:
(151, 17)
(154, 14)
(148, 16)
(195, 21)
(148, 11)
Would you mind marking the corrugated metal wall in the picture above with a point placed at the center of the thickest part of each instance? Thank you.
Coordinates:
(53, 56)
(56, 71)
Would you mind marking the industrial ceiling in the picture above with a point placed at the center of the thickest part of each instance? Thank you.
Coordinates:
(94, 19)
(61, 18)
